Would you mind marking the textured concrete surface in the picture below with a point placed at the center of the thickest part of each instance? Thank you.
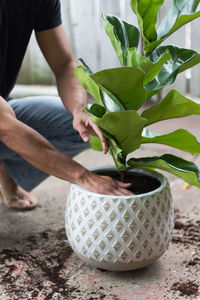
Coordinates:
(37, 263)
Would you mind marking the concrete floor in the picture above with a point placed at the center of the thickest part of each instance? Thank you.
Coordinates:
(37, 263)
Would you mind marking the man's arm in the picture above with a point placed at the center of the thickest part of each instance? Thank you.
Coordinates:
(40, 153)
(58, 53)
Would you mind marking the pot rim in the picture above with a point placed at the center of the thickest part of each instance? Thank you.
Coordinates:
(163, 182)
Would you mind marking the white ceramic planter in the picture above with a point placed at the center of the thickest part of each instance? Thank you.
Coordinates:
(120, 233)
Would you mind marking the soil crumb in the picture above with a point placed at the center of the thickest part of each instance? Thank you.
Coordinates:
(193, 262)
(187, 288)
(187, 232)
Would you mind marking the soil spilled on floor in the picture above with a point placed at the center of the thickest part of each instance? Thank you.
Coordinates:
(186, 231)
(40, 268)
(188, 288)
(37, 269)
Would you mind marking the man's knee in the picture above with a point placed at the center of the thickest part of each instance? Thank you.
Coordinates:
(50, 118)
(42, 112)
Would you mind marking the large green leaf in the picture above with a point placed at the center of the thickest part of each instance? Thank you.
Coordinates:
(103, 96)
(125, 83)
(151, 69)
(97, 110)
(110, 102)
(184, 169)
(122, 36)
(146, 11)
(180, 139)
(117, 153)
(181, 59)
(180, 13)
(89, 85)
(88, 71)
(125, 127)
(174, 105)
(152, 93)
(118, 156)
(95, 143)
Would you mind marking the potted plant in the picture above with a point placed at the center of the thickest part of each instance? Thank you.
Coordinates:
(125, 233)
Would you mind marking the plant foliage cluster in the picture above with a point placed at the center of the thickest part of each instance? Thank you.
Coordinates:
(122, 91)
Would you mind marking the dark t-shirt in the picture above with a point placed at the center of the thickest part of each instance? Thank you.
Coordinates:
(18, 18)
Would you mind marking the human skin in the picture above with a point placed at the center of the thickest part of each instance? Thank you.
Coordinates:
(34, 148)
(74, 97)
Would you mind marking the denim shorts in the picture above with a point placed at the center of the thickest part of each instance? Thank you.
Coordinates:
(48, 116)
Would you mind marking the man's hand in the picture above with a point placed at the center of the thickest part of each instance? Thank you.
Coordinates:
(34, 148)
(104, 185)
(84, 125)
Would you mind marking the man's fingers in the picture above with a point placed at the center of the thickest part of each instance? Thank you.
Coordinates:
(86, 127)
(127, 192)
(120, 192)
(105, 145)
(84, 134)
(101, 136)
(107, 186)
(85, 137)
(124, 184)
(123, 192)
(120, 189)
(123, 188)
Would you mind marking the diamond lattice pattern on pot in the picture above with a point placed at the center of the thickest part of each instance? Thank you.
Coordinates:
(112, 229)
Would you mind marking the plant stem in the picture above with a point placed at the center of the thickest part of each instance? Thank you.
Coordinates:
(122, 175)
(113, 150)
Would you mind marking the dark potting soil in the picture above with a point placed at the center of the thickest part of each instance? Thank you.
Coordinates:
(140, 183)
(188, 288)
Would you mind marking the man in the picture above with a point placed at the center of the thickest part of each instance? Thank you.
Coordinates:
(39, 135)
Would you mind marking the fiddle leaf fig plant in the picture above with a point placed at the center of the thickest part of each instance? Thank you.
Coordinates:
(121, 92)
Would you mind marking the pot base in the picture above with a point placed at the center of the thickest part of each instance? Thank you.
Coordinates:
(120, 267)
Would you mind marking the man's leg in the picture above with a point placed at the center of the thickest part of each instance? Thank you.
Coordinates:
(48, 116)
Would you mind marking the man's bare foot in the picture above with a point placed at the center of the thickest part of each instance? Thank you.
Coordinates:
(21, 200)
(12, 195)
